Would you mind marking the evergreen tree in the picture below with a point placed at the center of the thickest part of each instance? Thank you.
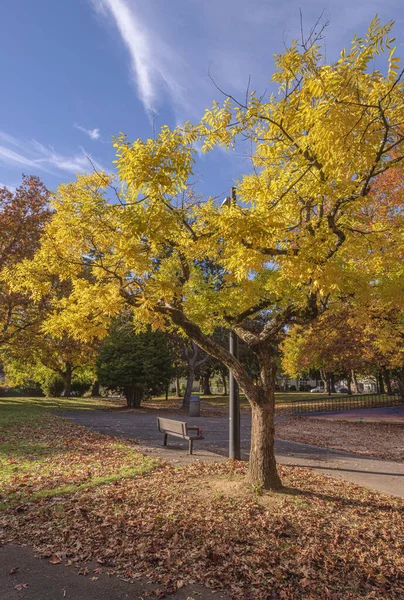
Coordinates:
(137, 364)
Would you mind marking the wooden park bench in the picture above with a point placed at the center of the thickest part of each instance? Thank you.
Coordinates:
(179, 429)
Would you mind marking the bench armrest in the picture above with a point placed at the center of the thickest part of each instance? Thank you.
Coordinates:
(195, 428)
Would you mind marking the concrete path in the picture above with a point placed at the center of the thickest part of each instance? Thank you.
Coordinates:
(380, 475)
(37, 579)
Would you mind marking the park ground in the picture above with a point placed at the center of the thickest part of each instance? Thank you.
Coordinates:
(99, 506)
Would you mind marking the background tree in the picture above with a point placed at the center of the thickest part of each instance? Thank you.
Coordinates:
(38, 357)
(297, 242)
(195, 359)
(137, 364)
(347, 345)
(23, 215)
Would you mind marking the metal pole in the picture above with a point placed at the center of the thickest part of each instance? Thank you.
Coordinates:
(233, 196)
(234, 406)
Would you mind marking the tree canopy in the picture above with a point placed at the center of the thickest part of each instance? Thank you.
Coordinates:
(303, 234)
(23, 214)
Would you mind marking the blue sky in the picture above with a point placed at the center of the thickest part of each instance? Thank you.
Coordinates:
(77, 72)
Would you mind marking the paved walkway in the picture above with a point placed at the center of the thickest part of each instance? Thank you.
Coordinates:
(380, 475)
(38, 580)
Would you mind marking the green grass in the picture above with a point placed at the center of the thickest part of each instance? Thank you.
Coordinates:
(13, 410)
(280, 398)
(42, 455)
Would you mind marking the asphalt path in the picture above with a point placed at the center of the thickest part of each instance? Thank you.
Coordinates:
(25, 577)
(383, 476)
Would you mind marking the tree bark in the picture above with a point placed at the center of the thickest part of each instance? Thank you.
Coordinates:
(400, 380)
(67, 380)
(188, 390)
(95, 390)
(206, 385)
(138, 395)
(191, 354)
(133, 396)
(387, 379)
(325, 380)
(332, 383)
(262, 464)
(177, 387)
(355, 382)
(349, 383)
(380, 383)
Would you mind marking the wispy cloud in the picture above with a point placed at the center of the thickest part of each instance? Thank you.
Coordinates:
(157, 68)
(138, 42)
(36, 156)
(174, 45)
(94, 134)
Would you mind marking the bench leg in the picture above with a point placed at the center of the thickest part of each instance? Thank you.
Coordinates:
(165, 440)
(191, 442)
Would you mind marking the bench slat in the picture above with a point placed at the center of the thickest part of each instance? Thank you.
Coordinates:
(169, 425)
(178, 429)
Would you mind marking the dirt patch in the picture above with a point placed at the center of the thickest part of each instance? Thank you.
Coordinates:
(381, 440)
(233, 487)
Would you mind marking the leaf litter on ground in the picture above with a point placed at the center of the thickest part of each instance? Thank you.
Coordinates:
(320, 538)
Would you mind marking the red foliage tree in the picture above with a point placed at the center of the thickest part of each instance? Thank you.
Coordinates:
(23, 214)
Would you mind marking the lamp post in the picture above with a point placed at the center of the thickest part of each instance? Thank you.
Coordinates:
(234, 405)
(234, 397)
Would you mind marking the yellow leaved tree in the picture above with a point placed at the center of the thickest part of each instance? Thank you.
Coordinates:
(298, 239)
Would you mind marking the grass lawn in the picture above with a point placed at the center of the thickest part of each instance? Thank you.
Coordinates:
(320, 538)
(42, 455)
(280, 398)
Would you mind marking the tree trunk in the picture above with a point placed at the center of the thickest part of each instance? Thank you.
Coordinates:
(387, 379)
(129, 392)
(188, 390)
(224, 381)
(400, 381)
(137, 397)
(332, 383)
(349, 383)
(325, 380)
(380, 383)
(67, 380)
(355, 382)
(133, 396)
(262, 464)
(206, 385)
(177, 387)
(95, 390)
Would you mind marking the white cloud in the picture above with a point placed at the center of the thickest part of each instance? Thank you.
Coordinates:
(94, 134)
(157, 68)
(138, 43)
(36, 156)
(173, 44)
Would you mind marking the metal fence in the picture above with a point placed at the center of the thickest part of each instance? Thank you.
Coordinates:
(345, 402)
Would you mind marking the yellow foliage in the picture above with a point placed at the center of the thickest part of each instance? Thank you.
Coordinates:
(299, 229)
